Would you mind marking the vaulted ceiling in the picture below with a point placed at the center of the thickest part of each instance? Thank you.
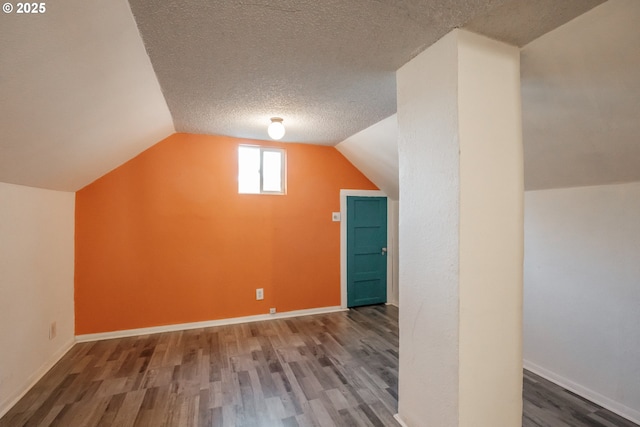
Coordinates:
(78, 95)
(327, 67)
(88, 85)
(581, 100)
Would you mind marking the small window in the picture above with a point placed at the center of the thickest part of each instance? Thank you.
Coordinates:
(260, 170)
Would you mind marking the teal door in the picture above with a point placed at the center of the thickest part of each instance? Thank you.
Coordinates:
(366, 250)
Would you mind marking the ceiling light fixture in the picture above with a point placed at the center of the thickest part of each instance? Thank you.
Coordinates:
(276, 128)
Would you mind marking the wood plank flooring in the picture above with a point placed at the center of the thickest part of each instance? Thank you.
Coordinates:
(549, 405)
(339, 369)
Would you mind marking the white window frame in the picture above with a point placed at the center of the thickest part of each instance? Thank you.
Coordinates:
(283, 169)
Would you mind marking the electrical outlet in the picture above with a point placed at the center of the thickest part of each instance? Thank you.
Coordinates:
(259, 294)
(53, 330)
(272, 311)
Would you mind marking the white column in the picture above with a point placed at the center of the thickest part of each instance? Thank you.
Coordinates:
(461, 234)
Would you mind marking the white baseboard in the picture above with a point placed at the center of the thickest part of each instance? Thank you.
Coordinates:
(9, 402)
(393, 303)
(607, 403)
(399, 420)
(205, 324)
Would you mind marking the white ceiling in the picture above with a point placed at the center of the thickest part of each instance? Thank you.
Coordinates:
(374, 151)
(519, 22)
(581, 100)
(326, 66)
(80, 95)
(581, 107)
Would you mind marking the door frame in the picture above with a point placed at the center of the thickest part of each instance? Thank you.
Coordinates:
(343, 240)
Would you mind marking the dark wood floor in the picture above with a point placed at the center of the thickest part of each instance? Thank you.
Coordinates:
(337, 369)
(549, 405)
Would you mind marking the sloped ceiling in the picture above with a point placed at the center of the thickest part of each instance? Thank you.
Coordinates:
(581, 100)
(78, 94)
(528, 20)
(374, 151)
(326, 66)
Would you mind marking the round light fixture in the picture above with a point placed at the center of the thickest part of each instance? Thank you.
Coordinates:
(276, 128)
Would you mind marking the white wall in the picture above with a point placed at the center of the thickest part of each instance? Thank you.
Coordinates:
(393, 283)
(36, 284)
(582, 291)
(461, 238)
(491, 232)
(374, 151)
(429, 215)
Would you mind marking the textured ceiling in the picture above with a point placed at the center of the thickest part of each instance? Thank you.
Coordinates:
(519, 22)
(326, 66)
(581, 100)
(78, 95)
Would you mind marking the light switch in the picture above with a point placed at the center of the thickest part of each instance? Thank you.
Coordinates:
(335, 216)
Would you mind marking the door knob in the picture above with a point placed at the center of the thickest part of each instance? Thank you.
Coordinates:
(384, 251)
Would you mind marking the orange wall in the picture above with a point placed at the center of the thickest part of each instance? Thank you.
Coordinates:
(166, 238)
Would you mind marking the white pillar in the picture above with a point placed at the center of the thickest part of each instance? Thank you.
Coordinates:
(461, 234)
